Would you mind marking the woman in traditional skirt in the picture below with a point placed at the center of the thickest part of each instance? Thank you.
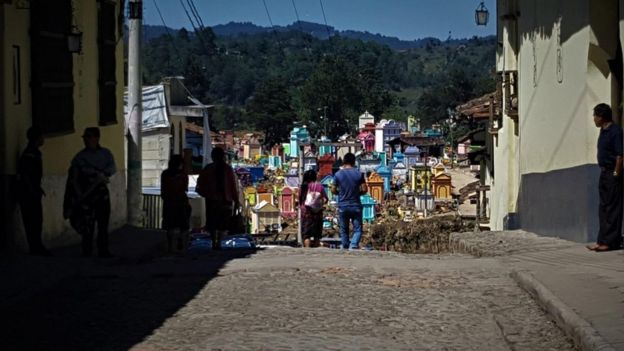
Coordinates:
(312, 197)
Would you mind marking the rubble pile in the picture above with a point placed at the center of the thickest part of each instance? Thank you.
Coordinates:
(430, 235)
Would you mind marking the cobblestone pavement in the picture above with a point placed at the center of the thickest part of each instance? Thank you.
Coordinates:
(287, 299)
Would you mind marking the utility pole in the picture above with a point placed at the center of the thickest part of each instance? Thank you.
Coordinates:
(135, 118)
(300, 171)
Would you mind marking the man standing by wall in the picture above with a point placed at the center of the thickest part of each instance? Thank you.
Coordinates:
(30, 171)
(87, 199)
(349, 184)
(610, 184)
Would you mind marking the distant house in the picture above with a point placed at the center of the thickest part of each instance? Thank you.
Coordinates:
(412, 156)
(265, 216)
(166, 113)
(385, 131)
(413, 125)
(364, 119)
(399, 172)
(287, 202)
(325, 165)
(327, 181)
(368, 140)
(298, 136)
(347, 139)
(252, 147)
(310, 161)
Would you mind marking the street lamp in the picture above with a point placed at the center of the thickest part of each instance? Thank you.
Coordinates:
(74, 41)
(482, 15)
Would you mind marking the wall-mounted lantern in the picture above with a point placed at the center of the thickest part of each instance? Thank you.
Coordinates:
(74, 41)
(482, 15)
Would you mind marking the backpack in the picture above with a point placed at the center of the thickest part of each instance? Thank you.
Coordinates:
(314, 200)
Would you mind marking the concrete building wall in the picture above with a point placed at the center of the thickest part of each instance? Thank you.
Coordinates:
(155, 146)
(58, 149)
(545, 171)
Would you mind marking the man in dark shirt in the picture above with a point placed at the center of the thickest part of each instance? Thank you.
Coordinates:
(349, 184)
(610, 183)
(30, 172)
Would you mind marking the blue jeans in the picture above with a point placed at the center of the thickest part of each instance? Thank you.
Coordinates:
(353, 214)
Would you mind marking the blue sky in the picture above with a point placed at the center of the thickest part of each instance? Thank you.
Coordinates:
(405, 19)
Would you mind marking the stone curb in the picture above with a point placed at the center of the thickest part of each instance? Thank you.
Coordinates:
(584, 335)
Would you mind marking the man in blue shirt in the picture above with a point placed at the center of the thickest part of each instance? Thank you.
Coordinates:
(349, 184)
(610, 183)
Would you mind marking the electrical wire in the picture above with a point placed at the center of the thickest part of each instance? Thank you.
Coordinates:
(197, 33)
(195, 13)
(325, 19)
(297, 15)
(166, 28)
(267, 12)
(266, 8)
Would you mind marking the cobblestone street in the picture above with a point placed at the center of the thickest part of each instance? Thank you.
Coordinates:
(286, 299)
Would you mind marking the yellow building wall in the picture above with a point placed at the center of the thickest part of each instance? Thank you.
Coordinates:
(60, 149)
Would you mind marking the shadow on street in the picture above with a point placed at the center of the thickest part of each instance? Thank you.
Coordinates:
(109, 305)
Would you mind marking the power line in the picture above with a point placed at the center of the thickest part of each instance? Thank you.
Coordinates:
(297, 15)
(303, 34)
(166, 28)
(197, 33)
(195, 14)
(188, 16)
(266, 8)
(325, 19)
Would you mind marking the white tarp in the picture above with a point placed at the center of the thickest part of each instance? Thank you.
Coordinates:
(154, 108)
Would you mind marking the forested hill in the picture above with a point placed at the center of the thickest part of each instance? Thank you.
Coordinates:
(271, 81)
(316, 30)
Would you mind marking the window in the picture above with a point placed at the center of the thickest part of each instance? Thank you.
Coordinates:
(107, 83)
(52, 82)
(17, 76)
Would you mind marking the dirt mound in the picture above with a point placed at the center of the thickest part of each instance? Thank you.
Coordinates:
(430, 235)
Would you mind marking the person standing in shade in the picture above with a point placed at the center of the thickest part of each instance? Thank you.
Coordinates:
(30, 172)
(610, 183)
(176, 208)
(217, 184)
(87, 199)
(349, 184)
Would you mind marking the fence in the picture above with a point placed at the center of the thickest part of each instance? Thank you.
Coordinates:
(152, 208)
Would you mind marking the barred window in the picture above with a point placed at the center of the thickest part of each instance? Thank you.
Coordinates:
(107, 82)
(52, 82)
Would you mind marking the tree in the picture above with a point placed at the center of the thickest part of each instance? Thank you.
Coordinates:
(270, 111)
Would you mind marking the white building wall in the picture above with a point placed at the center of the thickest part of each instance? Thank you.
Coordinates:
(545, 172)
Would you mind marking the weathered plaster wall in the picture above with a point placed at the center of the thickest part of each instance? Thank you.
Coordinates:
(563, 73)
(58, 150)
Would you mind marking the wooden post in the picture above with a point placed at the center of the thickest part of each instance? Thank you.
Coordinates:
(477, 215)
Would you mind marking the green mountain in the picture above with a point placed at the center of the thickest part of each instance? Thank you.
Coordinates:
(242, 71)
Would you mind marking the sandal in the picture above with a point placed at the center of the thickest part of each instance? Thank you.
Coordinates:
(592, 247)
(602, 248)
